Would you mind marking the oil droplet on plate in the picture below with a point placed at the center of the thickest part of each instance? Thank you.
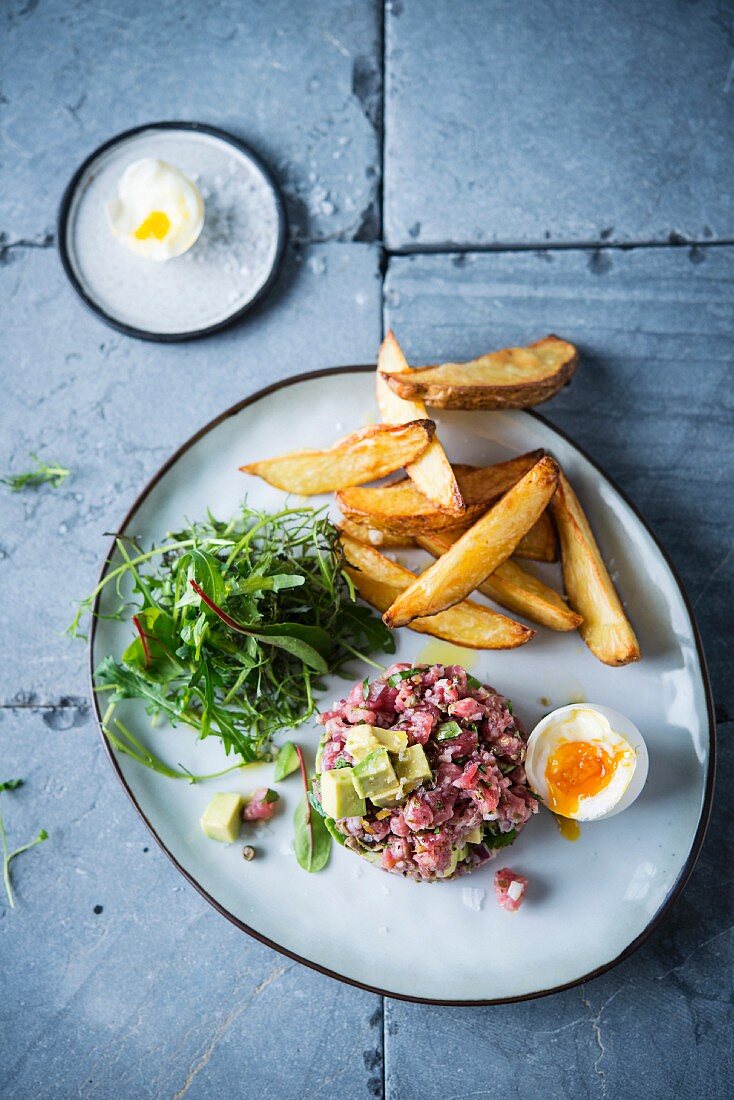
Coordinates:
(569, 829)
(437, 652)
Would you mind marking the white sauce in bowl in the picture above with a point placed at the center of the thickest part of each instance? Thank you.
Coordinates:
(223, 271)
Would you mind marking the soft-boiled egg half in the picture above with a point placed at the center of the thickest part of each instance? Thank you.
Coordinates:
(158, 212)
(586, 762)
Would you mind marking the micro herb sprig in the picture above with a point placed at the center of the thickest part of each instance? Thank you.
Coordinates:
(234, 627)
(42, 474)
(8, 855)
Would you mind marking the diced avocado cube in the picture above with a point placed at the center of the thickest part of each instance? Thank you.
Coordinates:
(374, 777)
(407, 786)
(393, 740)
(222, 818)
(388, 802)
(475, 836)
(361, 741)
(412, 763)
(457, 854)
(364, 739)
(338, 795)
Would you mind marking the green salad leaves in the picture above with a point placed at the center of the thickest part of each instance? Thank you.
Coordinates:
(234, 626)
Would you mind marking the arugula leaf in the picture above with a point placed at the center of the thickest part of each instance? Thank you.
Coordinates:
(293, 645)
(287, 636)
(275, 583)
(205, 569)
(286, 762)
(125, 682)
(125, 742)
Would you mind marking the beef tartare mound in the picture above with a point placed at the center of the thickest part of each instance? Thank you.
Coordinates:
(421, 772)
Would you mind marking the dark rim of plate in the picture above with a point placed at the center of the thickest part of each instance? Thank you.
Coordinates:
(190, 334)
(698, 839)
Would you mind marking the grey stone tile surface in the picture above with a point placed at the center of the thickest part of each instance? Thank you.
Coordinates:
(652, 400)
(651, 403)
(573, 122)
(299, 82)
(112, 409)
(505, 123)
(658, 1025)
(157, 995)
(120, 982)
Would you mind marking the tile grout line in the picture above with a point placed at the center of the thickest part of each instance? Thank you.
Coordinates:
(384, 261)
(77, 703)
(449, 248)
(384, 255)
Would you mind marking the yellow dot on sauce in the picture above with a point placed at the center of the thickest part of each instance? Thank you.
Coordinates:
(155, 225)
(576, 770)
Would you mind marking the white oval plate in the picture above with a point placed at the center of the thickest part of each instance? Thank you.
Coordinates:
(590, 903)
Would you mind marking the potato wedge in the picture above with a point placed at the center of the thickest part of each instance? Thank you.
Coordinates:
(379, 580)
(539, 544)
(479, 551)
(375, 536)
(431, 473)
(606, 629)
(514, 378)
(366, 455)
(401, 507)
(513, 587)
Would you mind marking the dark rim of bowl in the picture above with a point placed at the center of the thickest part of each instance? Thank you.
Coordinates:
(62, 222)
(698, 839)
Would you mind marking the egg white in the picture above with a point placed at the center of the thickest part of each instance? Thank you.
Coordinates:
(148, 186)
(586, 722)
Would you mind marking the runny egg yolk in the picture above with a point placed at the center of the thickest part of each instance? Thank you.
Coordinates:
(577, 770)
(155, 225)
